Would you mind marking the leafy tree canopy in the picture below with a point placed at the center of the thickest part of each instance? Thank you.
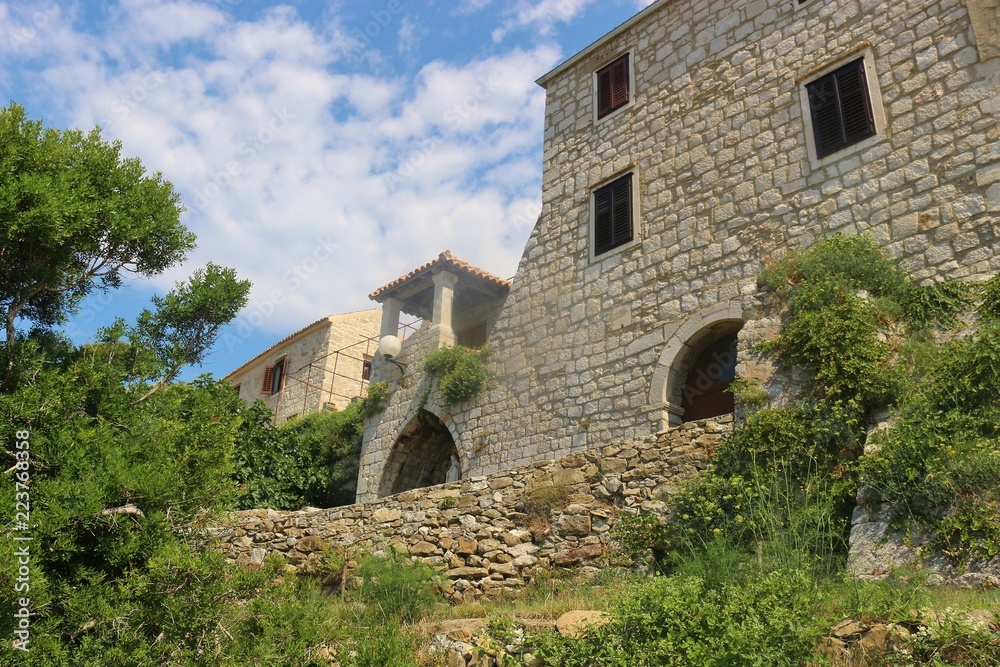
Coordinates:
(75, 216)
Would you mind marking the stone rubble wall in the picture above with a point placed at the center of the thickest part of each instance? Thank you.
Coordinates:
(481, 531)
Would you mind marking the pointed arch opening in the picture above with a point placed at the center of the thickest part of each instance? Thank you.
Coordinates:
(423, 455)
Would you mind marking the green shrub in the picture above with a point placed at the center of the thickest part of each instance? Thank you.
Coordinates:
(308, 461)
(759, 619)
(461, 372)
(375, 400)
(395, 586)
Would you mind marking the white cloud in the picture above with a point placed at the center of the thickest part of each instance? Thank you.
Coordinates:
(541, 15)
(316, 182)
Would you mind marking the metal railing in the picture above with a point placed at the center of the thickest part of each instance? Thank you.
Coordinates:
(339, 374)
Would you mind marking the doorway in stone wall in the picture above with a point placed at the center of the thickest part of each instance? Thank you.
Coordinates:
(712, 370)
(422, 456)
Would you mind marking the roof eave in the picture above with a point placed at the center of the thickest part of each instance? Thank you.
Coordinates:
(545, 78)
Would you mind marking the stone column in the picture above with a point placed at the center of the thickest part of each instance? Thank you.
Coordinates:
(390, 317)
(444, 297)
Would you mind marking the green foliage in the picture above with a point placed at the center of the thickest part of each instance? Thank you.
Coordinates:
(375, 399)
(75, 217)
(748, 393)
(941, 461)
(309, 461)
(761, 619)
(395, 587)
(187, 321)
(461, 372)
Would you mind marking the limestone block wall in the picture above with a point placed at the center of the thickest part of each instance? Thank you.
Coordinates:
(592, 349)
(314, 375)
(482, 531)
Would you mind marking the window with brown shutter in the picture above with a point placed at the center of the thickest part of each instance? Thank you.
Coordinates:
(273, 377)
(613, 214)
(612, 86)
(841, 108)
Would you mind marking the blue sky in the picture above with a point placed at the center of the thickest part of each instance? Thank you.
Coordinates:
(321, 148)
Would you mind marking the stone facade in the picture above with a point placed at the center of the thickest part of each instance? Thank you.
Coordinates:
(716, 136)
(323, 365)
(491, 533)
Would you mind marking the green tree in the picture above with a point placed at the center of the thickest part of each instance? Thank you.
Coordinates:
(75, 216)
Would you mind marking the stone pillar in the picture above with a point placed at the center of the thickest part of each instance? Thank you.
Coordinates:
(444, 297)
(390, 317)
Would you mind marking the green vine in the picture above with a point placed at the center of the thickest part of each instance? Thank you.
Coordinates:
(376, 399)
(461, 372)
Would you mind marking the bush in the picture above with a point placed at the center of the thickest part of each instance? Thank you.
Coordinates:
(395, 586)
(308, 461)
(461, 372)
(761, 619)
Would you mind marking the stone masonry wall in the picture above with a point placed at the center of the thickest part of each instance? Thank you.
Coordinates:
(482, 532)
(589, 350)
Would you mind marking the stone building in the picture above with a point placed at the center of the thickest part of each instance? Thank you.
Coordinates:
(324, 365)
(682, 151)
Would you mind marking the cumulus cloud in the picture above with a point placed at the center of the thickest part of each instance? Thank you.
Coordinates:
(315, 180)
(541, 15)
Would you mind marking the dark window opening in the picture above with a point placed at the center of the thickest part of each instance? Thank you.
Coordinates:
(474, 337)
(273, 378)
(612, 86)
(366, 368)
(613, 215)
(841, 108)
(713, 371)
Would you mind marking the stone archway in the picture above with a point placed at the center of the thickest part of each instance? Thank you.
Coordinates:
(421, 456)
(703, 346)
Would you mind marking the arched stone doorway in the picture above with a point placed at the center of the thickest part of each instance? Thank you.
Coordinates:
(696, 365)
(421, 456)
(704, 393)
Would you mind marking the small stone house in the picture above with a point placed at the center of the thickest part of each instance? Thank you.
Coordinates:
(682, 151)
(324, 365)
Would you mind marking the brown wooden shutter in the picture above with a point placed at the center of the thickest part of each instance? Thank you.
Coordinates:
(612, 86)
(268, 383)
(604, 93)
(619, 82)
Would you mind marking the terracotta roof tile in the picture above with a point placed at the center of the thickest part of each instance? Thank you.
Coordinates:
(445, 259)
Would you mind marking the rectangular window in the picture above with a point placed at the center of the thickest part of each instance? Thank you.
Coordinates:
(474, 337)
(841, 108)
(366, 368)
(612, 86)
(273, 377)
(613, 215)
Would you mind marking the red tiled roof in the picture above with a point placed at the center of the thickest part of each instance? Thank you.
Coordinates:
(444, 260)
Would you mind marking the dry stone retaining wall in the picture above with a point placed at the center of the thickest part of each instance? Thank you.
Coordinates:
(489, 533)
